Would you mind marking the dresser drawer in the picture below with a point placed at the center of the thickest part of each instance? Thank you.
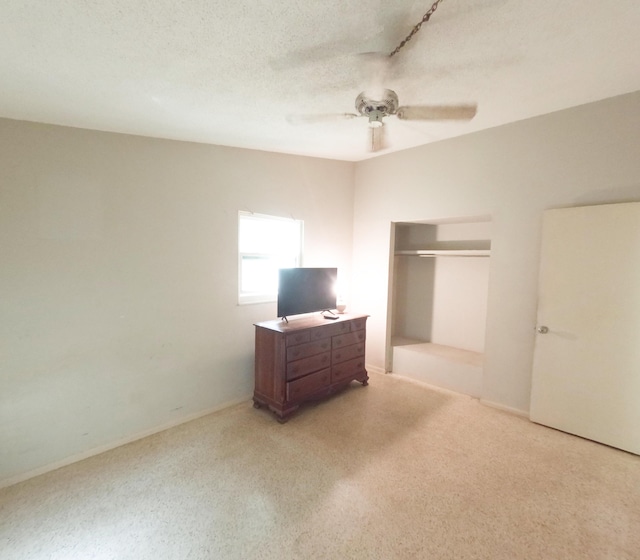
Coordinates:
(350, 368)
(308, 349)
(297, 338)
(308, 365)
(348, 339)
(347, 353)
(358, 324)
(308, 384)
(329, 330)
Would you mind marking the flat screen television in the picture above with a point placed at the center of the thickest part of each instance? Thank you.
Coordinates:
(305, 290)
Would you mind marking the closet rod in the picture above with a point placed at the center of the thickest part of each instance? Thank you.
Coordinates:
(446, 253)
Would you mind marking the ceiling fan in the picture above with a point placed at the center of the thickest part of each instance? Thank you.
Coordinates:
(375, 110)
(378, 103)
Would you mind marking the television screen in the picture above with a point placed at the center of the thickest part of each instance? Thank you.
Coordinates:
(304, 290)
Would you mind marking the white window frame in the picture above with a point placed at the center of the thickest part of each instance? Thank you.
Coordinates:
(265, 296)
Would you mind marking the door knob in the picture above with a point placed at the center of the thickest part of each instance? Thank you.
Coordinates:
(543, 330)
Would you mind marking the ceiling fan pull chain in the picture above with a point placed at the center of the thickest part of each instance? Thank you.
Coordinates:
(425, 18)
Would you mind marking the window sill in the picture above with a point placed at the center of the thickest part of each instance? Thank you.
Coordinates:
(258, 298)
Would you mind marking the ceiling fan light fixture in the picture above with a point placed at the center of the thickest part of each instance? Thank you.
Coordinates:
(375, 119)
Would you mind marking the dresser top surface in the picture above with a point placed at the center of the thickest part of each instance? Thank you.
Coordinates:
(307, 322)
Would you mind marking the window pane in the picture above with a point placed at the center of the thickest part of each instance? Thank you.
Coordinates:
(259, 275)
(265, 244)
(269, 235)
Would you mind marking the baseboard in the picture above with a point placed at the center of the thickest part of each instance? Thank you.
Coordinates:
(491, 404)
(516, 411)
(430, 386)
(374, 369)
(109, 446)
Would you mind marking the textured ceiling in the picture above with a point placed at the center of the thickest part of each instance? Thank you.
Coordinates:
(231, 72)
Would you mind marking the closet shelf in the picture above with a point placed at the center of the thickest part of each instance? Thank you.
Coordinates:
(446, 253)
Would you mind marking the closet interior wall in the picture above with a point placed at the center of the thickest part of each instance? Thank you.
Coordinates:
(440, 281)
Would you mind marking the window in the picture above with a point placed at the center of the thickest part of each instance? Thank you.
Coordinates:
(265, 244)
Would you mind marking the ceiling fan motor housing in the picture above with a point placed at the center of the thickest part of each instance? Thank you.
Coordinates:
(375, 109)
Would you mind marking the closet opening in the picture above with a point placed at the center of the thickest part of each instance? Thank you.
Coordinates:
(439, 279)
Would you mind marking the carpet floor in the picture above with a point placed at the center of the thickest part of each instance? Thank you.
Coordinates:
(395, 470)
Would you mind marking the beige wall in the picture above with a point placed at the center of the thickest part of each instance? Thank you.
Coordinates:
(118, 306)
(586, 155)
(460, 302)
(118, 309)
(461, 289)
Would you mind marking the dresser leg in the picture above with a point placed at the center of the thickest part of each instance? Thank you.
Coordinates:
(283, 414)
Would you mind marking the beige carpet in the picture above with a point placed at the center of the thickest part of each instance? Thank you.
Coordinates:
(393, 470)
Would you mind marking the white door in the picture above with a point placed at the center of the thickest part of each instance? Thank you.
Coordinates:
(586, 373)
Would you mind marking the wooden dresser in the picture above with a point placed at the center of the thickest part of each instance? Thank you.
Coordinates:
(307, 358)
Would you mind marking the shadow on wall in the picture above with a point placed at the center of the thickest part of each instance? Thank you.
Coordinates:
(614, 195)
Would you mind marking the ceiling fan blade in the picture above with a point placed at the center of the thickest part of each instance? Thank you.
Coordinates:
(319, 118)
(437, 112)
(377, 138)
(335, 50)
